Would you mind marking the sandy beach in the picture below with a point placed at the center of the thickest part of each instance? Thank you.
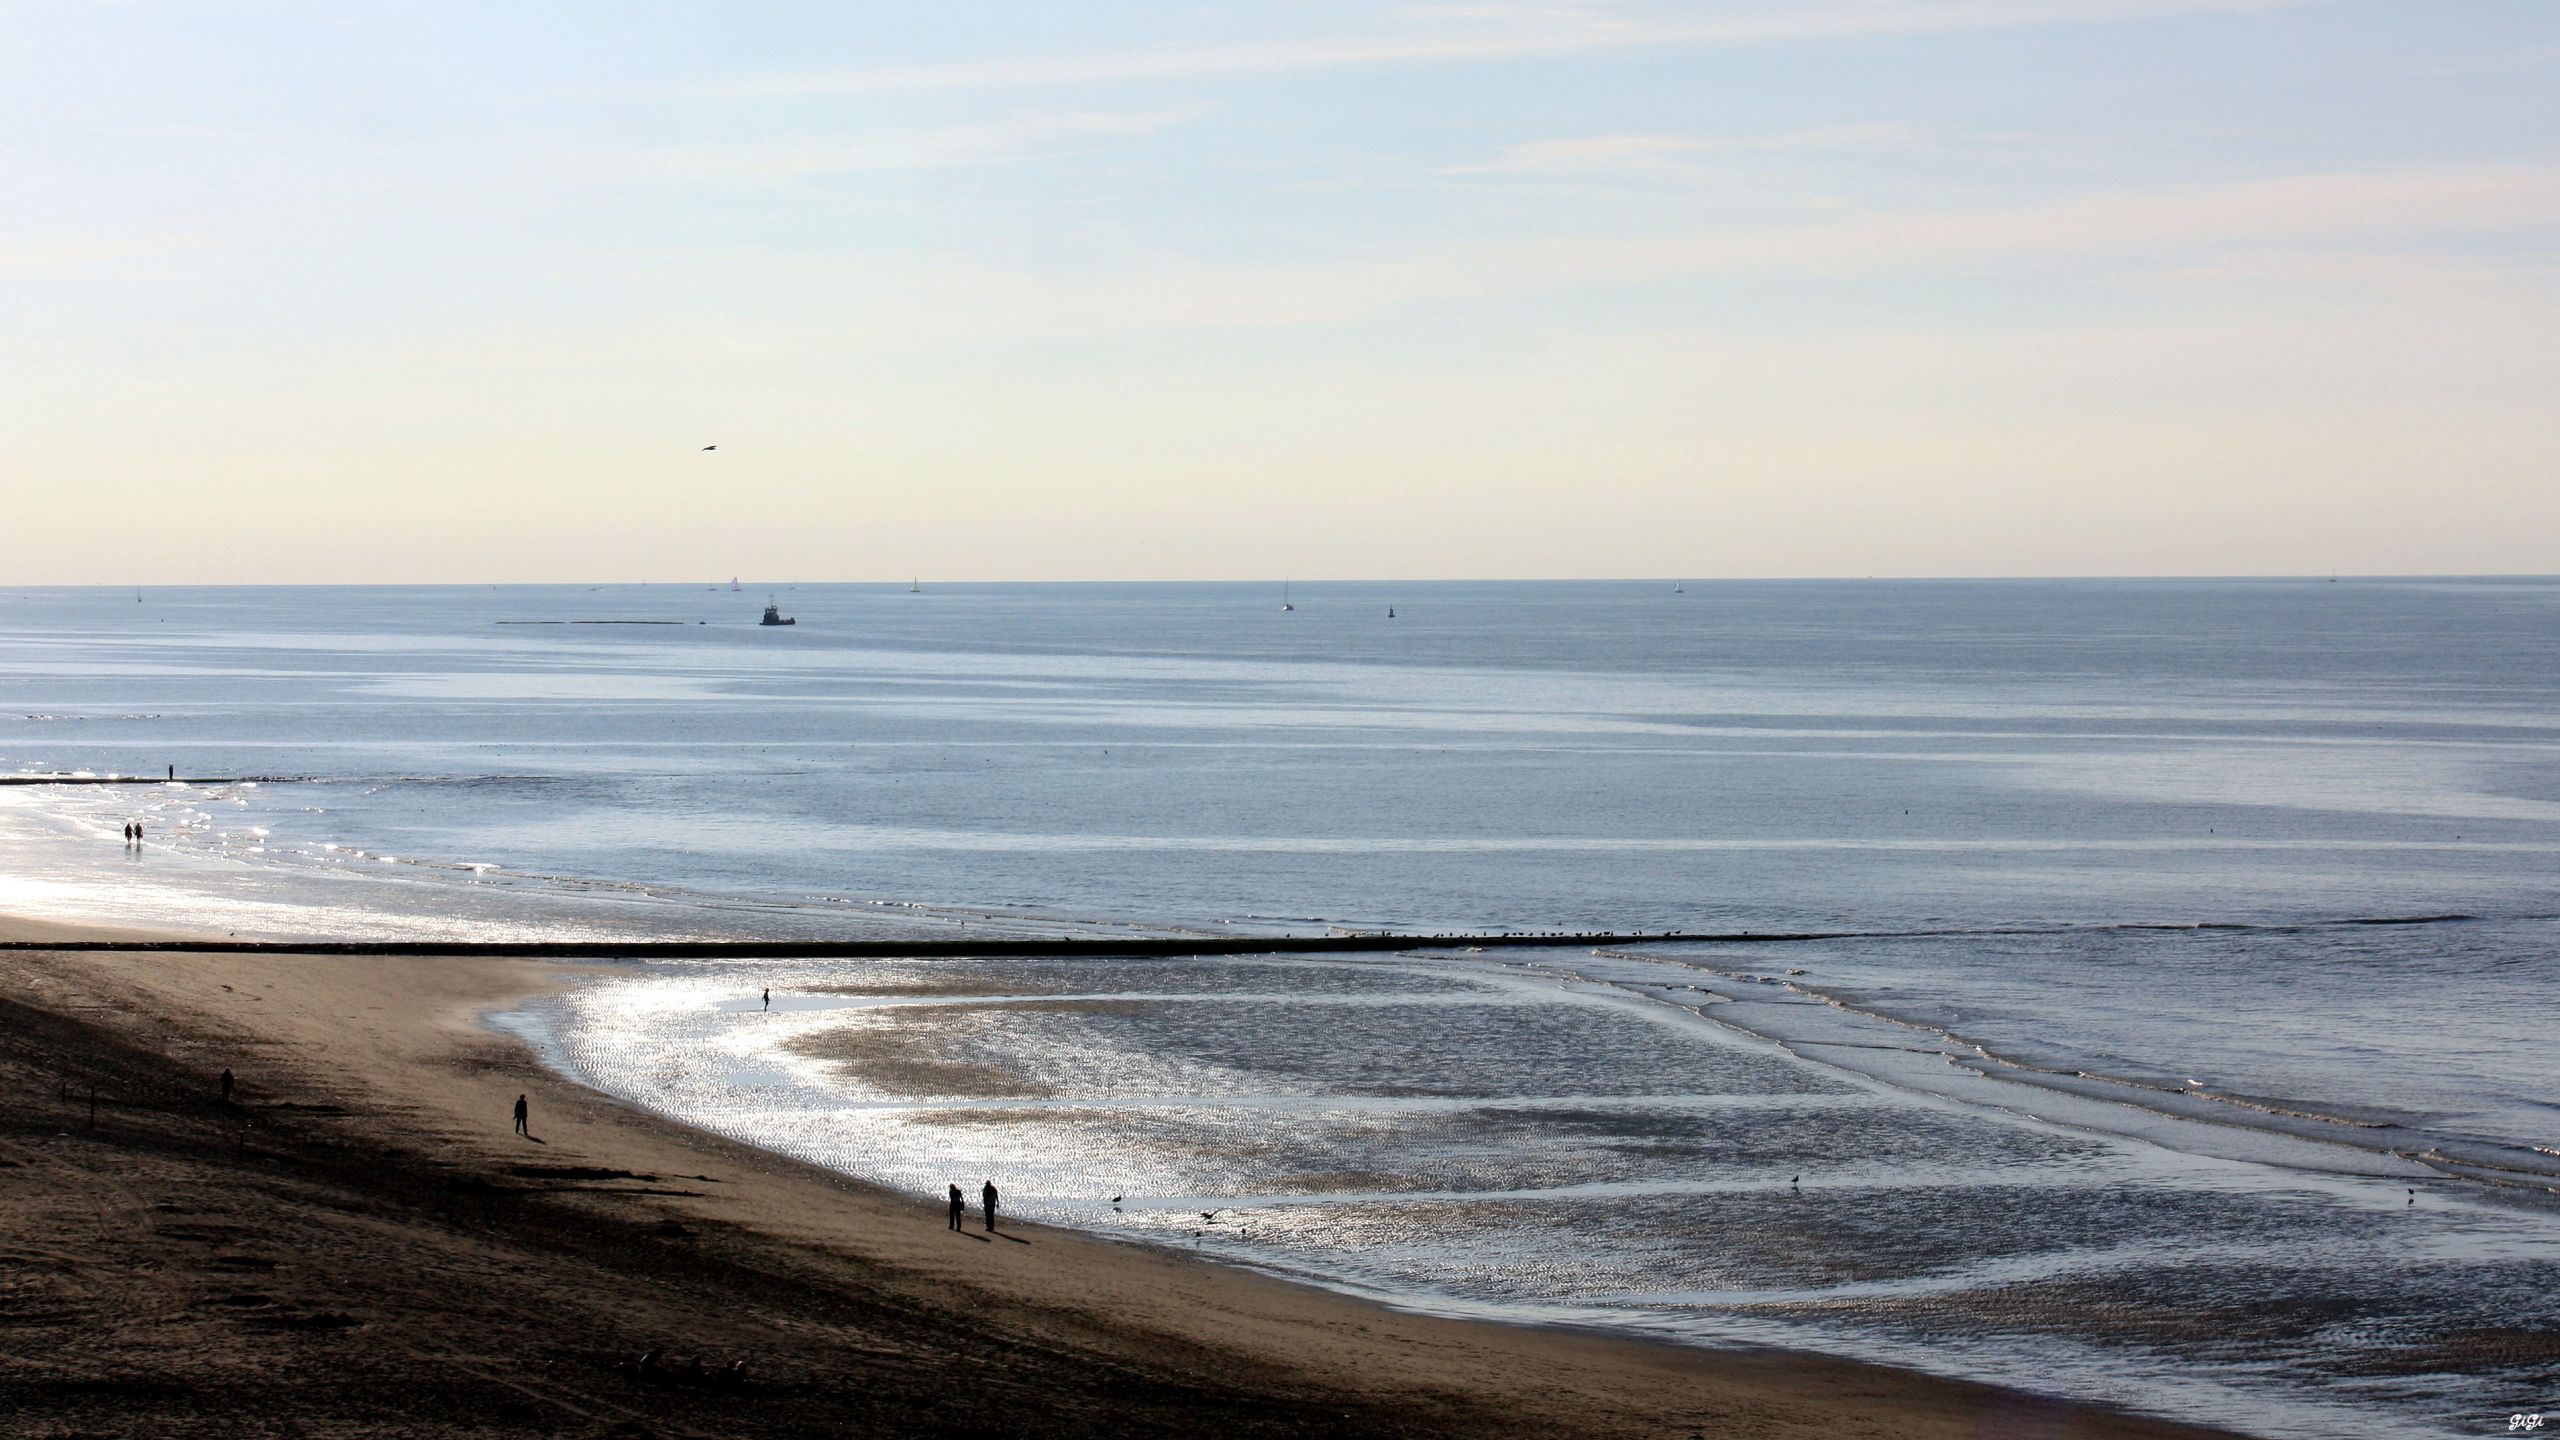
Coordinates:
(358, 1243)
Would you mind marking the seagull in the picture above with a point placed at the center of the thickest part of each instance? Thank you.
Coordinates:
(1210, 1215)
(710, 447)
(1115, 1199)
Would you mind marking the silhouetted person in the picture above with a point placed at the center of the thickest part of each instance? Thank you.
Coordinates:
(128, 832)
(226, 1087)
(137, 832)
(768, 997)
(522, 1128)
(959, 1209)
(987, 1203)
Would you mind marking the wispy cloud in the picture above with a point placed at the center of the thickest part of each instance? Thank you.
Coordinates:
(1489, 32)
(1585, 154)
(2505, 62)
(34, 257)
(2144, 232)
(988, 142)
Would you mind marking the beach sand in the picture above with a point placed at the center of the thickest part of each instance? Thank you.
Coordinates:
(359, 1244)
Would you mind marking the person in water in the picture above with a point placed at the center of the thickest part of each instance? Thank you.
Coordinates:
(523, 1116)
(987, 1203)
(959, 1209)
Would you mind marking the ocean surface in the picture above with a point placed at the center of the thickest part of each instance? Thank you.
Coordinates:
(2183, 1039)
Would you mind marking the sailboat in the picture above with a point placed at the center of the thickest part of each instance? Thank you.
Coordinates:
(1284, 596)
(1676, 590)
(733, 584)
(916, 586)
(1391, 612)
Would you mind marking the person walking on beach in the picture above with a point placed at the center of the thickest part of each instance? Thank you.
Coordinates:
(226, 1085)
(768, 997)
(987, 1203)
(522, 1127)
(959, 1209)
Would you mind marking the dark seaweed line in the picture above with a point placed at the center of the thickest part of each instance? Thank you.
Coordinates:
(152, 779)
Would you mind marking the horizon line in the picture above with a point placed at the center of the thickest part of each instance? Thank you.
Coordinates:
(2324, 576)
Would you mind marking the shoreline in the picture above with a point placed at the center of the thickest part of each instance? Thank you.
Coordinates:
(359, 1240)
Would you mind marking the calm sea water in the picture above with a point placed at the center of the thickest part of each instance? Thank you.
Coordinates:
(2115, 1088)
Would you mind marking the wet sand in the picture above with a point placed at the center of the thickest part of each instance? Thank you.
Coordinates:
(357, 1243)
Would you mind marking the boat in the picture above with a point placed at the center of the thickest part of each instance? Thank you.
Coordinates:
(733, 584)
(916, 586)
(1676, 590)
(1284, 596)
(1391, 612)
(773, 616)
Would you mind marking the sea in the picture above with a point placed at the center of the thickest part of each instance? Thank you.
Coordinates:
(2136, 992)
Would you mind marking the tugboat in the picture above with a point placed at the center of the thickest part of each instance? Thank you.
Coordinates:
(773, 616)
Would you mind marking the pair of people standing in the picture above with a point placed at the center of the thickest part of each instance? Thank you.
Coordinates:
(133, 832)
(986, 1203)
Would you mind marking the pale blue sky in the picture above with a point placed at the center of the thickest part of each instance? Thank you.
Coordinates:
(1665, 287)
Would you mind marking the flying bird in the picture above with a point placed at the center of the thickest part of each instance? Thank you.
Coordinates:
(710, 447)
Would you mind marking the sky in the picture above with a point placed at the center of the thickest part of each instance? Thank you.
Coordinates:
(453, 291)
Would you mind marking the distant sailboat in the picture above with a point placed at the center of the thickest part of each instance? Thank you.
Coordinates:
(137, 594)
(1284, 596)
(916, 586)
(1676, 588)
(733, 584)
(1391, 612)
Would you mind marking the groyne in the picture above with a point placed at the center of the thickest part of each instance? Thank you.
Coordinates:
(991, 946)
